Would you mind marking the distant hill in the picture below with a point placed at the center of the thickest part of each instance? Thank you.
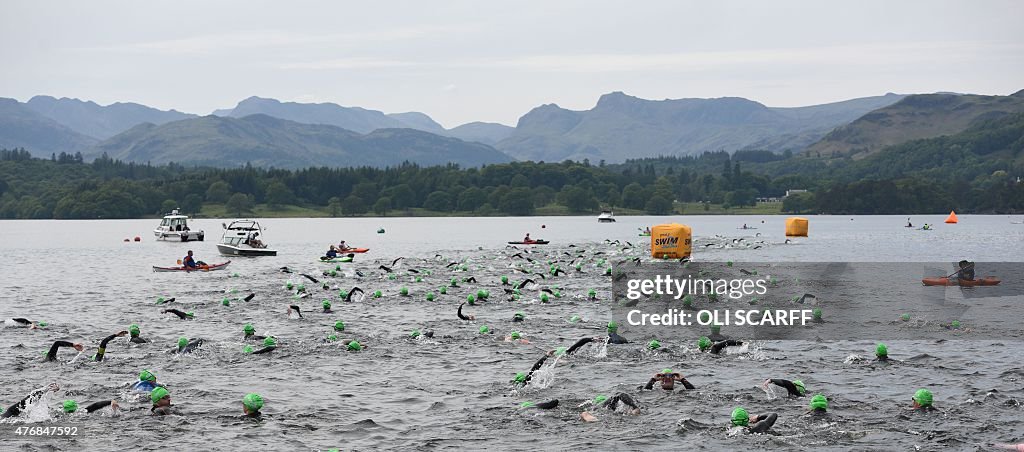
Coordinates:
(20, 126)
(481, 132)
(418, 121)
(267, 141)
(623, 127)
(92, 119)
(355, 119)
(915, 117)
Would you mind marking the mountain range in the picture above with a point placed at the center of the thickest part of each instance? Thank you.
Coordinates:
(269, 132)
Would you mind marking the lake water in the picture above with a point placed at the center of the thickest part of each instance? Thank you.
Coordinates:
(452, 392)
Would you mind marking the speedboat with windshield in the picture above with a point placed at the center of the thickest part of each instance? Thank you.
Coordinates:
(244, 238)
(174, 226)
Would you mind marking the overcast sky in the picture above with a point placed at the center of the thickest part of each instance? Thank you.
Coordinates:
(492, 60)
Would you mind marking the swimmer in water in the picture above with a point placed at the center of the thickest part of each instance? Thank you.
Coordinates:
(71, 406)
(818, 406)
(52, 354)
(542, 405)
(353, 345)
(296, 309)
(251, 405)
(582, 342)
(103, 344)
(519, 316)
(464, 317)
(621, 400)
(705, 345)
(269, 345)
(882, 353)
(327, 307)
(668, 380)
(33, 397)
(250, 333)
(161, 401)
(186, 346)
(613, 336)
(21, 322)
(181, 315)
(795, 388)
(147, 382)
(922, 401)
(516, 337)
(134, 332)
(757, 424)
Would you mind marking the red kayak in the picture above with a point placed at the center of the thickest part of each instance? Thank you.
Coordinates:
(201, 268)
(531, 242)
(987, 281)
(353, 250)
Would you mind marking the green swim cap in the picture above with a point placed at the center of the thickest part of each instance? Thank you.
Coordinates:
(799, 386)
(159, 300)
(377, 294)
(905, 317)
(688, 300)
(484, 329)
(666, 371)
(740, 417)
(134, 330)
(225, 302)
(70, 406)
(41, 324)
(881, 350)
(430, 296)
(249, 329)
(419, 279)
(415, 333)
(703, 343)
(728, 263)
(591, 293)
(252, 401)
(923, 397)
(608, 271)
(182, 342)
(654, 344)
(817, 313)
(504, 279)
(334, 272)
(247, 349)
(519, 377)
(342, 294)
(715, 329)
(355, 346)
(404, 291)
(705, 317)
(470, 299)
(301, 288)
(269, 342)
(453, 283)
(527, 404)
(158, 393)
(481, 294)
(574, 319)
(191, 313)
(288, 285)
(544, 297)
(560, 351)
(443, 290)
(520, 314)
(339, 326)
(955, 324)
(146, 375)
(515, 335)
(613, 327)
(600, 399)
(819, 402)
(327, 304)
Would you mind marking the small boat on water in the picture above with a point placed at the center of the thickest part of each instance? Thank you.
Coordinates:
(986, 281)
(242, 238)
(201, 268)
(606, 217)
(531, 242)
(174, 227)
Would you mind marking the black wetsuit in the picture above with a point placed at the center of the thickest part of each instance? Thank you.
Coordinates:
(536, 365)
(23, 321)
(52, 354)
(137, 340)
(792, 388)
(623, 398)
(547, 405)
(461, 316)
(763, 425)
(254, 337)
(15, 410)
(181, 315)
(264, 350)
(191, 346)
(717, 348)
(103, 347)
(614, 338)
(162, 411)
(97, 406)
(579, 344)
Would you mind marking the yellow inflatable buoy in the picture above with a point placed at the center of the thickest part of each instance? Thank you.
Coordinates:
(672, 241)
(796, 227)
(951, 219)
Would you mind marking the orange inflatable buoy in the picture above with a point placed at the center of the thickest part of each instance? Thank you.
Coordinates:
(951, 219)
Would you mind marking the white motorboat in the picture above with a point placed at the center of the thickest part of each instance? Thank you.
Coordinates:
(242, 238)
(174, 226)
(606, 217)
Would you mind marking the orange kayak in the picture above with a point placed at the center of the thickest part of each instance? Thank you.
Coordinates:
(987, 281)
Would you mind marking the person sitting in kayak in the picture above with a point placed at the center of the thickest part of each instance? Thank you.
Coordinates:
(188, 261)
(527, 239)
(342, 246)
(332, 253)
(909, 224)
(966, 272)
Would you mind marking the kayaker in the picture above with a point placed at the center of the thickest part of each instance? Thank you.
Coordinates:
(966, 272)
(342, 246)
(527, 239)
(795, 388)
(647, 230)
(188, 261)
(332, 253)
(52, 354)
(33, 397)
(668, 380)
(909, 224)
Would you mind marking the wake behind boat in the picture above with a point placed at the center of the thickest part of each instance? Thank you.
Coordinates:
(242, 238)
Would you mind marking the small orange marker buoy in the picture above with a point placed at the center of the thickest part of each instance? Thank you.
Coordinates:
(951, 219)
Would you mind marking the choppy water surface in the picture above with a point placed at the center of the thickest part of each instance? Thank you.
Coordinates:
(453, 391)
